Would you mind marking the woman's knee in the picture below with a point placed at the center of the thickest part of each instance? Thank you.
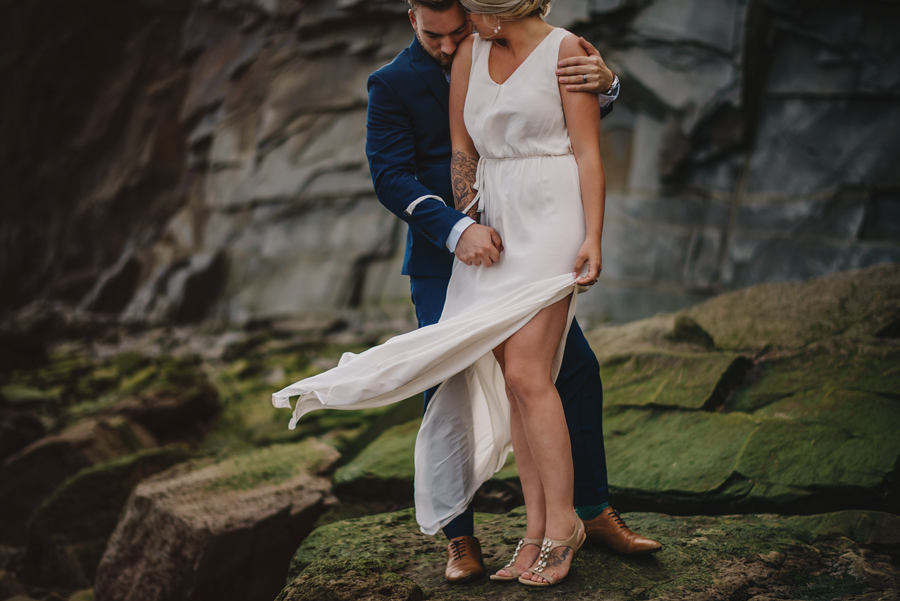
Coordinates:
(526, 384)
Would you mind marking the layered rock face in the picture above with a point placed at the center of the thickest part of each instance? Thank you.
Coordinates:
(208, 160)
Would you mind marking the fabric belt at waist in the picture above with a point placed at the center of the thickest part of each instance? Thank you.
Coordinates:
(479, 176)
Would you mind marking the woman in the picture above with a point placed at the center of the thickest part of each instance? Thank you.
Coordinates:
(498, 345)
(544, 191)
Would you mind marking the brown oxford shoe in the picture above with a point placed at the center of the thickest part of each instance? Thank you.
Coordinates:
(463, 560)
(609, 529)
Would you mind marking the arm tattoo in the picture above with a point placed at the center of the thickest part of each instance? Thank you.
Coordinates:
(462, 175)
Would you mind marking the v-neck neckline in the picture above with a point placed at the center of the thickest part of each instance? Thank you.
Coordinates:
(522, 64)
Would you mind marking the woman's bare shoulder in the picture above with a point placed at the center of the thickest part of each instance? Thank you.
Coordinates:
(464, 50)
(570, 46)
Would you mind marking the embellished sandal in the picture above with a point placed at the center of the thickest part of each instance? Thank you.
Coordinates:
(574, 542)
(514, 573)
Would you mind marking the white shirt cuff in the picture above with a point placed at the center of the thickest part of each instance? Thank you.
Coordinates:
(456, 232)
(606, 99)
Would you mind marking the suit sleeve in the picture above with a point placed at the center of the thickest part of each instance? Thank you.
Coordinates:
(390, 148)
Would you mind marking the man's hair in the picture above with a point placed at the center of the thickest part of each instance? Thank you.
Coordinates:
(438, 6)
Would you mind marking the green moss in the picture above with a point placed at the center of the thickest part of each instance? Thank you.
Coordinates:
(269, 466)
(674, 451)
(838, 364)
(385, 467)
(825, 587)
(667, 379)
(820, 455)
(21, 394)
(350, 580)
(699, 553)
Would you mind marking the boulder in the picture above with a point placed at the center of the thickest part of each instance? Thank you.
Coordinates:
(792, 315)
(781, 397)
(217, 527)
(703, 558)
(30, 475)
(67, 533)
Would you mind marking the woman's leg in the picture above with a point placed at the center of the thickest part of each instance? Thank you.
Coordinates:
(530, 479)
(527, 363)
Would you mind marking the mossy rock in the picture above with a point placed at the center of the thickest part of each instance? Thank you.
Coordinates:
(781, 397)
(865, 365)
(350, 580)
(384, 469)
(67, 533)
(792, 315)
(219, 527)
(703, 558)
(689, 381)
(676, 454)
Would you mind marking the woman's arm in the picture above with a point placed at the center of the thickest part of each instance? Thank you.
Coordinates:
(464, 161)
(582, 113)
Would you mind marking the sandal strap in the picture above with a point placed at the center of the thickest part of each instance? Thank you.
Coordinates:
(522, 544)
(549, 545)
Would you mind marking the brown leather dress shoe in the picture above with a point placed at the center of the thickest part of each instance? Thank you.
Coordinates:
(609, 529)
(463, 560)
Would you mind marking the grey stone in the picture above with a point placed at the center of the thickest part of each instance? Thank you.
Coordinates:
(808, 146)
(781, 217)
(715, 23)
(754, 259)
(212, 72)
(882, 221)
(720, 175)
(292, 263)
(672, 211)
(312, 162)
(683, 78)
(799, 67)
(646, 149)
(603, 6)
(569, 14)
(661, 254)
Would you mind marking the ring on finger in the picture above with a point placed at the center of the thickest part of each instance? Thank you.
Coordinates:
(584, 77)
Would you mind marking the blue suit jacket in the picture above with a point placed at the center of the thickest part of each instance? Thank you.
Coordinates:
(408, 146)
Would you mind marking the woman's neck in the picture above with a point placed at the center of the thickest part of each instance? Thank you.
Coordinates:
(521, 35)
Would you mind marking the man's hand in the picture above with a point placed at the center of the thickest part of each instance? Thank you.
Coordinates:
(479, 245)
(573, 71)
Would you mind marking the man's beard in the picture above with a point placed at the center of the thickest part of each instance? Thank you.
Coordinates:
(445, 61)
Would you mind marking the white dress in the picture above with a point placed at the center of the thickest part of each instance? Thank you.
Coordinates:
(529, 190)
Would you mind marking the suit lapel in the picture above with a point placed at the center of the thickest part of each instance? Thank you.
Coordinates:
(430, 72)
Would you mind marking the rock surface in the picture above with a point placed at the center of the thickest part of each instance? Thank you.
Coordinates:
(67, 533)
(210, 162)
(217, 528)
(822, 556)
(30, 475)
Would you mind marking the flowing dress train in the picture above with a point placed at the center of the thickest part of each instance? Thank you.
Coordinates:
(529, 191)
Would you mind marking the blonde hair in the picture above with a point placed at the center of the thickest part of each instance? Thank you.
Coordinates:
(508, 10)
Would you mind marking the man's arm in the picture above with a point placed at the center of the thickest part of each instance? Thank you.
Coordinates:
(590, 74)
(390, 148)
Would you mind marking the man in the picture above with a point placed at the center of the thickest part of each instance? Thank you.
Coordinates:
(409, 151)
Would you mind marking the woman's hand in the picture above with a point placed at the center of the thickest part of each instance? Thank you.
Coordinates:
(591, 255)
